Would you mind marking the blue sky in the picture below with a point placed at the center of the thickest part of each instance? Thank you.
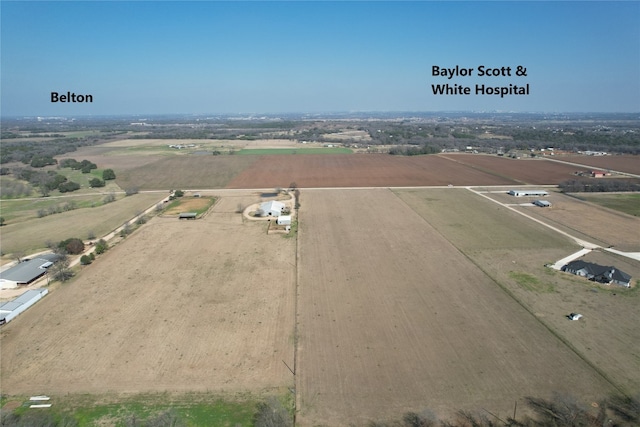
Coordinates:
(299, 56)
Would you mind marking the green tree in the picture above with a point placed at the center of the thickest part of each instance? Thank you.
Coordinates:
(69, 186)
(96, 182)
(108, 174)
(85, 260)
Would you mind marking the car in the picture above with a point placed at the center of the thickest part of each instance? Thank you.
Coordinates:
(574, 316)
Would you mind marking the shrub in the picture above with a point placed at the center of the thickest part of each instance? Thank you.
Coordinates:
(101, 246)
(85, 260)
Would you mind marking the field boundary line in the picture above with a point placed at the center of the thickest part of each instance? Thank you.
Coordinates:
(522, 304)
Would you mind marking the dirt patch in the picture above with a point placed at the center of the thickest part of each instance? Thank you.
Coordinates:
(179, 305)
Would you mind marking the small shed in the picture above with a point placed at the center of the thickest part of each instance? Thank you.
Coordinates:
(284, 220)
(188, 215)
(542, 203)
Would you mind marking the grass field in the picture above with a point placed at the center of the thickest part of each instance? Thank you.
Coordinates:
(195, 409)
(291, 151)
(31, 235)
(626, 203)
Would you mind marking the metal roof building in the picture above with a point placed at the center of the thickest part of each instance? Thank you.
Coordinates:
(520, 193)
(11, 309)
(272, 208)
(27, 271)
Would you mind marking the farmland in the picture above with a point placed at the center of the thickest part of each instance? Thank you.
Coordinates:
(414, 321)
(218, 317)
(387, 301)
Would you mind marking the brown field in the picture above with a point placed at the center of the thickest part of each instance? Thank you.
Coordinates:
(185, 172)
(394, 317)
(525, 171)
(175, 307)
(371, 170)
(626, 163)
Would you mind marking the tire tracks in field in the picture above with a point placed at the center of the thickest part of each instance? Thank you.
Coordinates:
(511, 295)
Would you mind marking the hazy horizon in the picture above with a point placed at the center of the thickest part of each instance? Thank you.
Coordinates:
(210, 57)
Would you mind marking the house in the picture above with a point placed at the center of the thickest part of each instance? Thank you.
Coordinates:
(27, 271)
(520, 193)
(284, 220)
(272, 208)
(598, 273)
(599, 174)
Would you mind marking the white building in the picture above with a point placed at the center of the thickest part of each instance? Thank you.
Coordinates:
(272, 208)
(521, 193)
(11, 309)
(284, 220)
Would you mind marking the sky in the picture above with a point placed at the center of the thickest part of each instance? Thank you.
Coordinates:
(215, 57)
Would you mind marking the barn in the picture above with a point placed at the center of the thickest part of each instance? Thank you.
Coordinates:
(521, 193)
(272, 208)
(598, 273)
(11, 309)
(27, 271)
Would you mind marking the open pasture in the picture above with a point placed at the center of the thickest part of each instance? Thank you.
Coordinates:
(204, 305)
(394, 317)
(32, 234)
(524, 171)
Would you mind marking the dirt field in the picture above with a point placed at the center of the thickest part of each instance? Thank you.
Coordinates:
(174, 307)
(362, 170)
(629, 164)
(393, 317)
(525, 171)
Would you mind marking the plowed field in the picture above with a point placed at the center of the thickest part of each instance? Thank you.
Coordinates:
(393, 317)
(525, 171)
(366, 170)
(629, 164)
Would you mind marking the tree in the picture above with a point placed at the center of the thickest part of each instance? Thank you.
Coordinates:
(73, 246)
(178, 193)
(108, 174)
(60, 269)
(96, 182)
(1, 221)
(85, 260)
(68, 187)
